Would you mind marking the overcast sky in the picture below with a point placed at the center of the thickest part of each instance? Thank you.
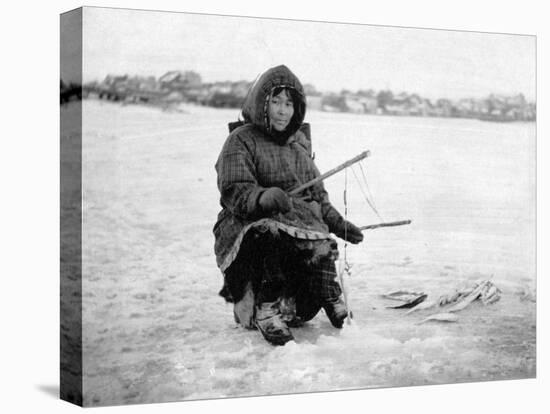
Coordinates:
(433, 63)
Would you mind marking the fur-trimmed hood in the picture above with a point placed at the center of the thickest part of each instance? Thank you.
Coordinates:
(256, 103)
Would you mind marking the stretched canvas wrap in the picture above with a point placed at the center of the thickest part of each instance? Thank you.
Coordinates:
(442, 287)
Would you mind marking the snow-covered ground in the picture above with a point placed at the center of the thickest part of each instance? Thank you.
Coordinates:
(154, 328)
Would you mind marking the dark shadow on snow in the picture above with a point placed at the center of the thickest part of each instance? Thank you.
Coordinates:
(49, 389)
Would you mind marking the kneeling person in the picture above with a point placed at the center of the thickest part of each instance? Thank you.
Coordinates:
(275, 251)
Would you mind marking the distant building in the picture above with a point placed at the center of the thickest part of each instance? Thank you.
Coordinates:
(354, 105)
(113, 87)
(186, 86)
(178, 80)
(444, 107)
(333, 102)
(370, 104)
(115, 79)
(314, 102)
(398, 105)
(310, 90)
(241, 88)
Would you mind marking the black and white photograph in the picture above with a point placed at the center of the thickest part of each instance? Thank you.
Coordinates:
(283, 205)
(262, 215)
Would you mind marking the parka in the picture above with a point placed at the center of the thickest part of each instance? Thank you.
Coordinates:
(255, 158)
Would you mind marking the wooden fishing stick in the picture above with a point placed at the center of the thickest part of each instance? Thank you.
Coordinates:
(389, 224)
(335, 170)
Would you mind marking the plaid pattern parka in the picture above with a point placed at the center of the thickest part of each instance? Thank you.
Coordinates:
(252, 161)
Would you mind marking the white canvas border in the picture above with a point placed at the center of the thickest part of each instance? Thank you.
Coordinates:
(30, 170)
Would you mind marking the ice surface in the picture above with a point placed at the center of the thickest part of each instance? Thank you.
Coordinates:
(156, 330)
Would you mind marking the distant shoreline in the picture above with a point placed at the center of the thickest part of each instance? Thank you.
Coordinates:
(176, 106)
(187, 86)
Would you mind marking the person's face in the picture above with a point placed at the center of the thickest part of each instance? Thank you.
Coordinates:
(280, 110)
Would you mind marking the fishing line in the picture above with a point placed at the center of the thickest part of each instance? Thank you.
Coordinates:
(366, 181)
(344, 266)
(370, 196)
(345, 210)
(367, 200)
